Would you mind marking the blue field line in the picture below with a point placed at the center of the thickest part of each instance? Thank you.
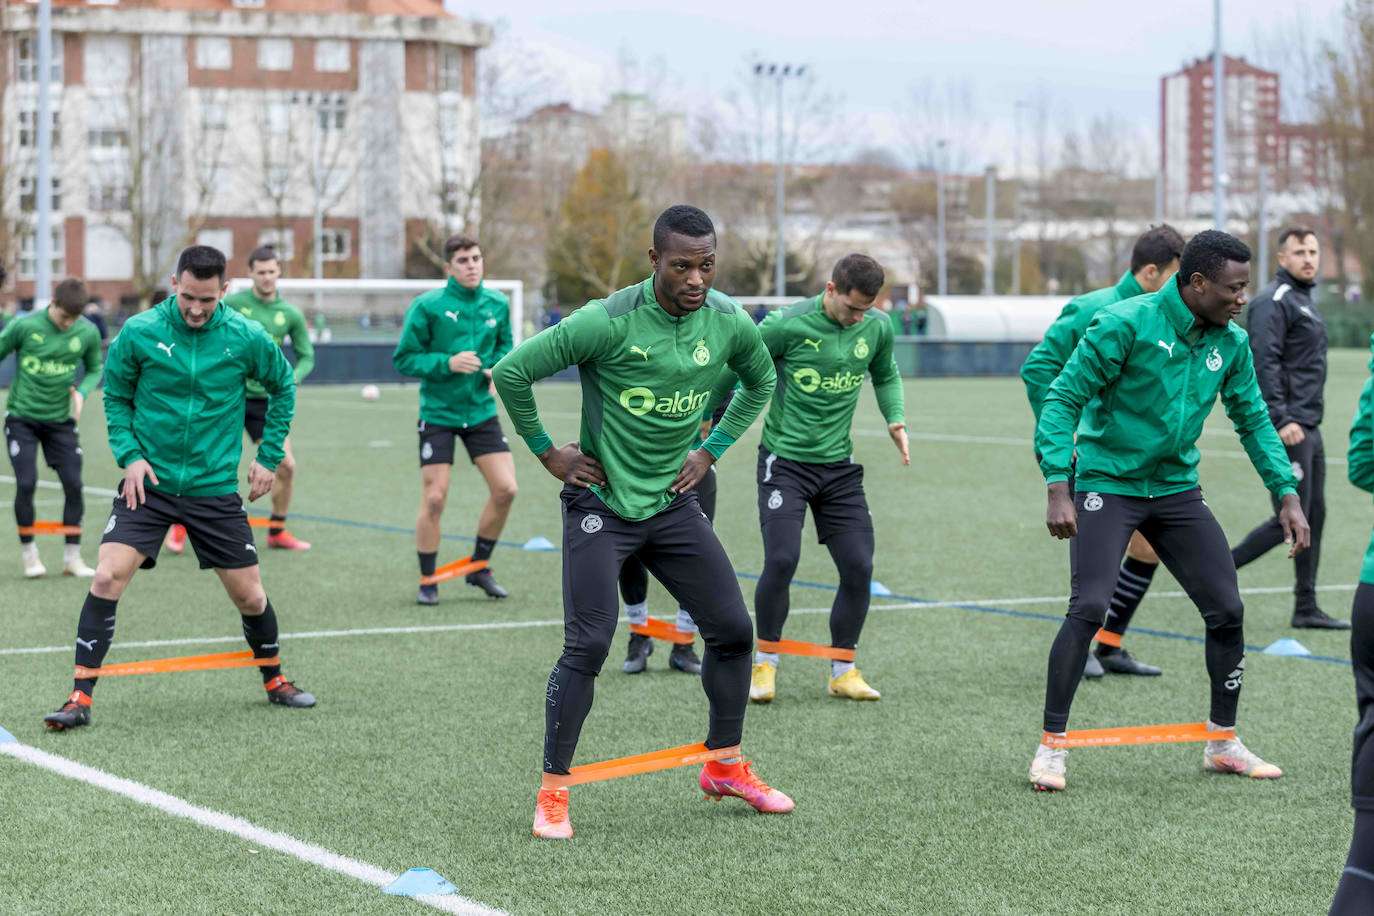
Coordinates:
(1005, 612)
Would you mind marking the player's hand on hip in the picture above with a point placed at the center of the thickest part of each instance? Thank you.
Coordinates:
(464, 363)
(1060, 517)
(259, 480)
(1296, 531)
(569, 464)
(898, 433)
(1291, 434)
(133, 482)
(693, 469)
(77, 402)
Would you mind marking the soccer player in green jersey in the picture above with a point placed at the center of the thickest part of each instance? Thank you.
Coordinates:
(647, 357)
(452, 338)
(174, 389)
(1154, 260)
(43, 408)
(822, 348)
(1137, 390)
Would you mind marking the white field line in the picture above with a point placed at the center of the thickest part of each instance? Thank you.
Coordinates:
(50, 485)
(532, 624)
(258, 836)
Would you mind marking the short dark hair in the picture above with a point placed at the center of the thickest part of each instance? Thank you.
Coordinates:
(2, 274)
(1298, 232)
(1159, 245)
(203, 262)
(682, 219)
(857, 272)
(264, 253)
(459, 241)
(1208, 252)
(70, 296)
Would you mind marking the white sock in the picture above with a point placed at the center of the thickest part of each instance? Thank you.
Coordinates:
(1213, 727)
(729, 761)
(29, 550)
(838, 668)
(766, 658)
(637, 613)
(685, 623)
(71, 553)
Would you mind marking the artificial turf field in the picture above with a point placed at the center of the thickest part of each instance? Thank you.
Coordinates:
(425, 747)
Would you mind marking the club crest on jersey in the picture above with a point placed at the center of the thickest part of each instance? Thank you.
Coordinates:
(775, 499)
(74, 345)
(1092, 502)
(491, 322)
(279, 319)
(861, 349)
(14, 448)
(701, 356)
(1214, 359)
(591, 524)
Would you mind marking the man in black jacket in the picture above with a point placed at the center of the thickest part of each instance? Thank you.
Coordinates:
(1288, 339)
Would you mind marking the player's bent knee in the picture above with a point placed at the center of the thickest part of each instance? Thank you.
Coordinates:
(1227, 616)
(433, 502)
(1089, 612)
(286, 468)
(504, 495)
(107, 583)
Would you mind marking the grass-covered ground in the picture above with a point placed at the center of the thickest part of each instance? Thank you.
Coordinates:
(425, 747)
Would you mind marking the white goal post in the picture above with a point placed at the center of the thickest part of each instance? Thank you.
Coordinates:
(338, 298)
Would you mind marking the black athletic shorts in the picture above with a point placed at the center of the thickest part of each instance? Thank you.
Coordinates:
(834, 491)
(1362, 657)
(255, 417)
(436, 442)
(217, 527)
(61, 449)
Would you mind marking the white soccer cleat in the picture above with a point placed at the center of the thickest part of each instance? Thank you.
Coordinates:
(33, 566)
(1047, 769)
(77, 568)
(1233, 757)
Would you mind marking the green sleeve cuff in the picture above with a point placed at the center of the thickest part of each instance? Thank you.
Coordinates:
(539, 444)
(718, 442)
(1287, 491)
(1057, 477)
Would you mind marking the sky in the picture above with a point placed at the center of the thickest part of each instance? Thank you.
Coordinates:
(1073, 59)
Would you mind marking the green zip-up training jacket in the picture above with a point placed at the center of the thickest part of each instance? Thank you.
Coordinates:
(821, 365)
(174, 396)
(46, 365)
(1049, 356)
(283, 321)
(1360, 457)
(1144, 380)
(441, 323)
(645, 379)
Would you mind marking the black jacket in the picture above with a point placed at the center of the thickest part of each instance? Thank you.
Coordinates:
(1288, 339)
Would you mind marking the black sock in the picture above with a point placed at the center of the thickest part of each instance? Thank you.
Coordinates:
(1131, 584)
(1225, 653)
(484, 548)
(1067, 657)
(276, 524)
(427, 561)
(94, 632)
(73, 507)
(1355, 895)
(261, 633)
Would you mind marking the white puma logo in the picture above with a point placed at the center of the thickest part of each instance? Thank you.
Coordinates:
(1168, 347)
(163, 346)
(250, 547)
(90, 645)
(453, 315)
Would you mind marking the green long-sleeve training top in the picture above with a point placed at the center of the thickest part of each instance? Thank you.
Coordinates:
(1144, 379)
(282, 321)
(46, 361)
(645, 379)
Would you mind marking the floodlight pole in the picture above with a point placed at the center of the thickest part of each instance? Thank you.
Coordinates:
(989, 276)
(1218, 123)
(42, 274)
(1016, 205)
(1262, 231)
(941, 284)
(780, 73)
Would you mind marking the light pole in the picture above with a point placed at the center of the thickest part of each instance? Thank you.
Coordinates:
(1016, 205)
(990, 214)
(780, 73)
(42, 248)
(942, 285)
(1218, 123)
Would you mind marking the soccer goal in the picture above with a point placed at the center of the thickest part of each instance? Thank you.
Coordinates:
(371, 309)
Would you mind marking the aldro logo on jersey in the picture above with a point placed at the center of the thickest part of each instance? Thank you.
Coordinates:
(809, 380)
(32, 365)
(639, 401)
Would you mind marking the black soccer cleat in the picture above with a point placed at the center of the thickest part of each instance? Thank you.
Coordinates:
(280, 690)
(428, 594)
(1092, 668)
(1316, 619)
(641, 647)
(684, 659)
(74, 713)
(482, 579)
(1119, 661)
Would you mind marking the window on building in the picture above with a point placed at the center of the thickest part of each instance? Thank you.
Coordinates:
(332, 56)
(278, 118)
(28, 193)
(105, 193)
(335, 244)
(28, 128)
(274, 54)
(221, 239)
(450, 69)
(107, 127)
(281, 239)
(108, 60)
(28, 60)
(28, 254)
(213, 53)
(332, 112)
(214, 115)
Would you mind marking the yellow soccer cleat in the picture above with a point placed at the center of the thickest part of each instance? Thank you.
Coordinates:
(852, 686)
(763, 683)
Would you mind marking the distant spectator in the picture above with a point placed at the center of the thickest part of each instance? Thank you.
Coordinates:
(95, 313)
(922, 319)
(908, 319)
(552, 316)
(760, 313)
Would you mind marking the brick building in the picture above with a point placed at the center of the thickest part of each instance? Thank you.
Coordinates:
(223, 121)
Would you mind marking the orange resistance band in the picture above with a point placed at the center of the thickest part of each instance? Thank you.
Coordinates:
(48, 528)
(1138, 734)
(683, 756)
(659, 629)
(184, 663)
(1108, 638)
(454, 570)
(257, 521)
(815, 650)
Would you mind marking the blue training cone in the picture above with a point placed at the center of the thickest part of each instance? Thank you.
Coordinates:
(877, 588)
(7, 738)
(538, 543)
(1286, 647)
(420, 881)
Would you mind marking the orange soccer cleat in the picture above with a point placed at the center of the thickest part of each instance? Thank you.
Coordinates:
(285, 540)
(737, 779)
(551, 815)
